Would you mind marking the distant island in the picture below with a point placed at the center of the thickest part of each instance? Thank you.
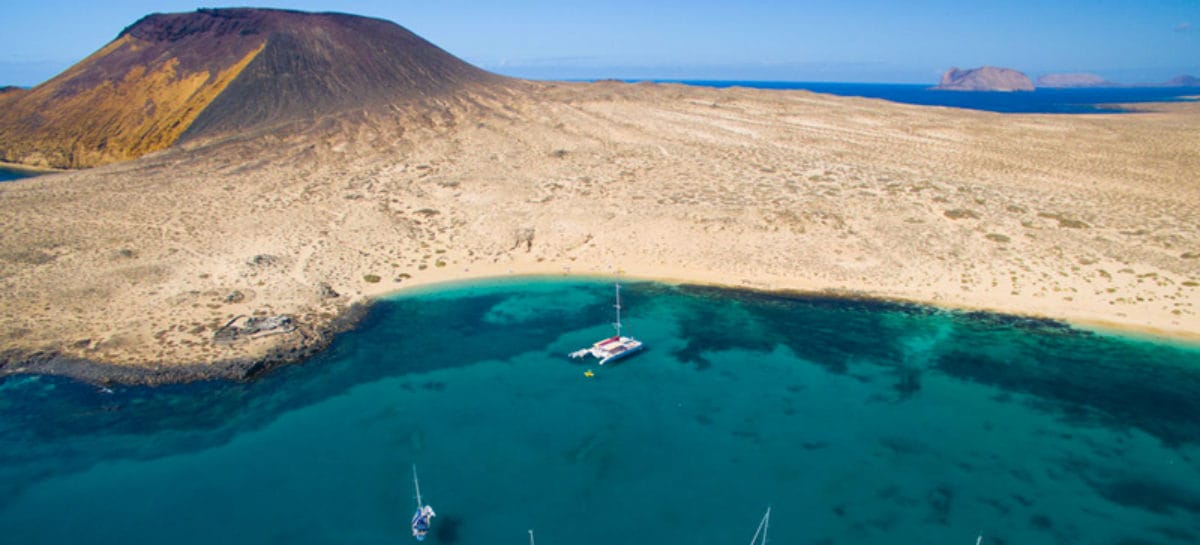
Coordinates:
(993, 78)
(1084, 79)
(1074, 79)
(985, 78)
(1183, 81)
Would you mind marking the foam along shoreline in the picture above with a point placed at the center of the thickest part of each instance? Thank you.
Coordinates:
(289, 352)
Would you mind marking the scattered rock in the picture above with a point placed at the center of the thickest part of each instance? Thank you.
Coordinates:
(262, 260)
(235, 296)
(327, 291)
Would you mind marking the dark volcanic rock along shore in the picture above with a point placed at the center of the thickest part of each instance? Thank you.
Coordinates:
(303, 343)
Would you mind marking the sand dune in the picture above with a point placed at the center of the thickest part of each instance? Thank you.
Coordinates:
(1086, 218)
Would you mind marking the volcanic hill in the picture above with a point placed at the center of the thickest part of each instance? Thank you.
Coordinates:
(184, 76)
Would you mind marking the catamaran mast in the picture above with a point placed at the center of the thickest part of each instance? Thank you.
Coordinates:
(417, 485)
(762, 528)
(617, 285)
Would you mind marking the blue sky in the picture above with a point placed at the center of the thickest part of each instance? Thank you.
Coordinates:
(852, 41)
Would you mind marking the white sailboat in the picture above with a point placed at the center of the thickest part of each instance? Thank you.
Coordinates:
(762, 529)
(422, 518)
(615, 347)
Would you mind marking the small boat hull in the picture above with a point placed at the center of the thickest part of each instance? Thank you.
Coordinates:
(628, 351)
(610, 349)
(421, 521)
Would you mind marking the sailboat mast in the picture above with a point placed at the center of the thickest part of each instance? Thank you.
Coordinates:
(417, 486)
(766, 524)
(617, 286)
(762, 529)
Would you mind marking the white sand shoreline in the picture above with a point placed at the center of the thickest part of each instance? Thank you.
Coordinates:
(488, 275)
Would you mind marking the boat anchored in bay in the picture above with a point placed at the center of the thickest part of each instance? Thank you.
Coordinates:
(422, 518)
(615, 347)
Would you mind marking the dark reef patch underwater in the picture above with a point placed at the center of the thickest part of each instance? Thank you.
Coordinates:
(859, 422)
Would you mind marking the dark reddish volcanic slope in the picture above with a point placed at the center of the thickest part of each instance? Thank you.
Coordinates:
(171, 77)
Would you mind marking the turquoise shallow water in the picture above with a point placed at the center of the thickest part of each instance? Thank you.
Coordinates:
(858, 422)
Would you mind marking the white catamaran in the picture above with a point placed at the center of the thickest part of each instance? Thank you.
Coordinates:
(421, 519)
(615, 347)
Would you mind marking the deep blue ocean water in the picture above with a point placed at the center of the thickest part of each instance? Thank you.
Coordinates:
(7, 174)
(858, 422)
(1042, 100)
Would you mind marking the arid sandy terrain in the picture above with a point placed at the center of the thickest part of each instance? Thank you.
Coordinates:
(1088, 218)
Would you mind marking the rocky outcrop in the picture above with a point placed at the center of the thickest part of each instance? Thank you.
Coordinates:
(171, 77)
(306, 343)
(986, 78)
(1072, 80)
(248, 327)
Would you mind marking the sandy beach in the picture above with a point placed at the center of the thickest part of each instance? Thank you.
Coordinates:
(144, 266)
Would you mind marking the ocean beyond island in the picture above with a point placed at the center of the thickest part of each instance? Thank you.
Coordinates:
(1039, 101)
(7, 174)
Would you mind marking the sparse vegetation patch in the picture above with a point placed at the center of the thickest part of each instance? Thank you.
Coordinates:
(962, 213)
